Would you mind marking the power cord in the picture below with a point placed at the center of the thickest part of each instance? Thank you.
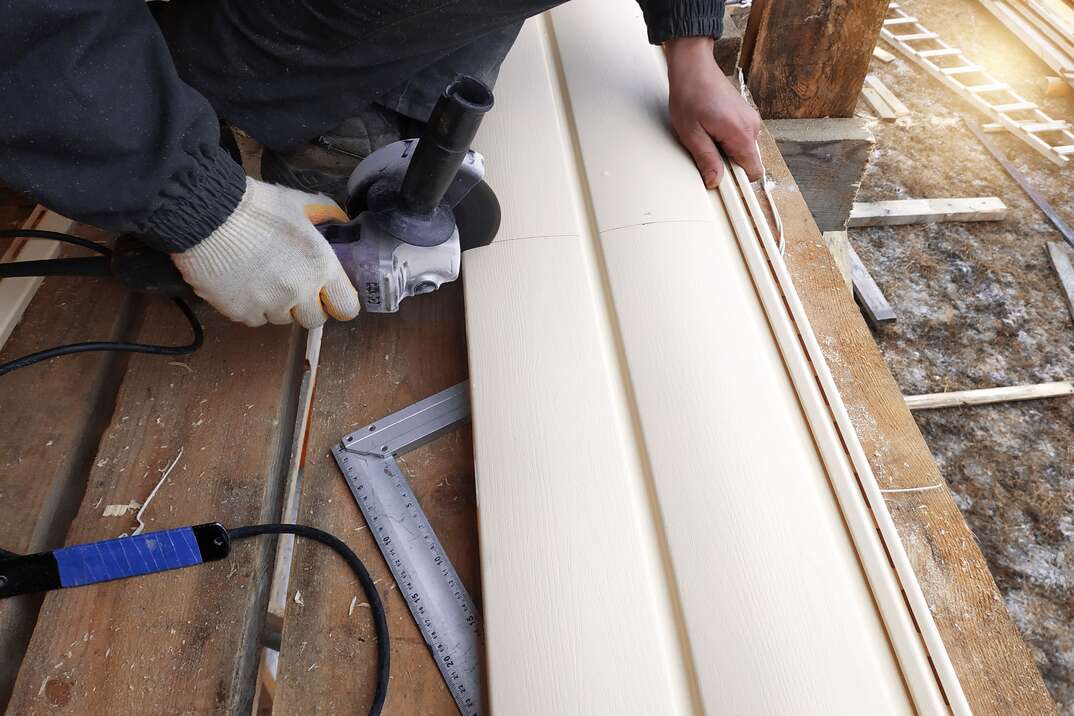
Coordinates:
(88, 346)
(38, 568)
(380, 621)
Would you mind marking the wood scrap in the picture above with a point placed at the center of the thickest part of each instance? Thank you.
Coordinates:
(870, 298)
(882, 109)
(883, 55)
(1062, 258)
(873, 82)
(986, 396)
(926, 211)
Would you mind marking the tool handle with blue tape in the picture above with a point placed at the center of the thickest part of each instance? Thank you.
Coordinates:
(119, 558)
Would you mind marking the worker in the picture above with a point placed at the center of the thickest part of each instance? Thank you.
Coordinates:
(109, 115)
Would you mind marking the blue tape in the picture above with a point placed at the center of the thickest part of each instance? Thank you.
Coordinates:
(127, 557)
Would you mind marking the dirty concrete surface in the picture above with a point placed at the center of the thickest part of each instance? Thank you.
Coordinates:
(980, 306)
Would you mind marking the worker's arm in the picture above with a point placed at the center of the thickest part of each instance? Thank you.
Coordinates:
(706, 108)
(96, 124)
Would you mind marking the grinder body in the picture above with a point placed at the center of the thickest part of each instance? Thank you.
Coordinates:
(404, 240)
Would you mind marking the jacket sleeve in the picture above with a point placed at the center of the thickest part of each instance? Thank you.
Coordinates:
(668, 19)
(97, 125)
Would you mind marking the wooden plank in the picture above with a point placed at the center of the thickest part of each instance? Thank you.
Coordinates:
(987, 396)
(926, 211)
(182, 641)
(828, 157)
(51, 419)
(15, 293)
(994, 665)
(808, 58)
(883, 55)
(897, 107)
(1062, 258)
(371, 367)
(870, 298)
(881, 108)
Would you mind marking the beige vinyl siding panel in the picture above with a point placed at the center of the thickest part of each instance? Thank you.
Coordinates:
(565, 519)
(659, 533)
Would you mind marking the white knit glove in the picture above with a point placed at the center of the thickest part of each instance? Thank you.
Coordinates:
(267, 262)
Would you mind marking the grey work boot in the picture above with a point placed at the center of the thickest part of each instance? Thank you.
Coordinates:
(325, 164)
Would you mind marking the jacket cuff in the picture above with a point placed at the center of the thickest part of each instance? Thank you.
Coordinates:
(689, 18)
(196, 203)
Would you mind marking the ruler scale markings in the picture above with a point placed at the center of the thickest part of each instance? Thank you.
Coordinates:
(436, 596)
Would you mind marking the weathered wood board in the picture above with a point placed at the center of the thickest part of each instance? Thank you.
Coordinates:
(371, 367)
(183, 641)
(51, 418)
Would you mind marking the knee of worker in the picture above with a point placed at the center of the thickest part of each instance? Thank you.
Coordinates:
(480, 59)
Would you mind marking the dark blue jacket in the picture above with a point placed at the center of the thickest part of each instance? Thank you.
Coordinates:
(97, 123)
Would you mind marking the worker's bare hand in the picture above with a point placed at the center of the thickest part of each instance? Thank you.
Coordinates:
(707, 110)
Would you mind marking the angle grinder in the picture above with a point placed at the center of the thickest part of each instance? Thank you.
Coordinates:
(416, 205)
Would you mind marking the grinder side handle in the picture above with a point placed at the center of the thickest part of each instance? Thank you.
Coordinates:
(444, 144)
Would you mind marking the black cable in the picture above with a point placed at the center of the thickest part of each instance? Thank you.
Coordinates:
(88, 346)
(380, 621)
(55, 236)
(120, 346)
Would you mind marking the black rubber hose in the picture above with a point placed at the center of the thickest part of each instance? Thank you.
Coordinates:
(380, 621)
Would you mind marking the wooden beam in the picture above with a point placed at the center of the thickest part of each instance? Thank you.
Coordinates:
(827, 158)
(1062, 258)
(926, 211)
(808, 58)
(986, 396)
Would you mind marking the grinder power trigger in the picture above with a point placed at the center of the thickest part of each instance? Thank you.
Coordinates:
(417, 204)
